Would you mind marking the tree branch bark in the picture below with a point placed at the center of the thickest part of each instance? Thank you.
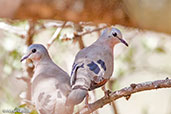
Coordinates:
(126, 92)
(55, 35)
(88, 32)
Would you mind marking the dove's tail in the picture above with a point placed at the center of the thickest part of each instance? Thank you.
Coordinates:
(76, 96)
(80, 83)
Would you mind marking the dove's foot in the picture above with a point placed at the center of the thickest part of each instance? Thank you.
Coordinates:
(86, 101)
(106, 92)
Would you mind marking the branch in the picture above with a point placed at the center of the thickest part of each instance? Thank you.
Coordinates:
(126, 92)
(55, 35)
(78, 35)
(79, 28)
(88, 32)
(29, 64)
(13, 29)
(113, 104)
(25, 79)
(30, 32)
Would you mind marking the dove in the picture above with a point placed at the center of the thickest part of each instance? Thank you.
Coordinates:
(93, 66)
(50, 84)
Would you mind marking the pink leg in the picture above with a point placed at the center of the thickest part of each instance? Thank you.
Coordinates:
(86, 100)
(106, 92)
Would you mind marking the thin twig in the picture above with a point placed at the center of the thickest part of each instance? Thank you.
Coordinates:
(29, 69)
(31, 32)
(88, 32)
(80, 41)
(126, 92)
(78, 28)
(55, 35)
(114, 107)
(13, 29)
(25, 79)
(113, 104)
(29, 102)
(77, 35)
(94, 93)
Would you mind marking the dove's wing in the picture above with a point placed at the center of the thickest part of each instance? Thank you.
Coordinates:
(95, 63)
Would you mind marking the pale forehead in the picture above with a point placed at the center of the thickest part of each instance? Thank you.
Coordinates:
(111, 29)
(115, 30)
(36, 46)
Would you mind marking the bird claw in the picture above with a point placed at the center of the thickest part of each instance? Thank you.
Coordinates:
(107, 93)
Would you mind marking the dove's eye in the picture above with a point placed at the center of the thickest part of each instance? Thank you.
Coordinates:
(114, 34)
(34, 50)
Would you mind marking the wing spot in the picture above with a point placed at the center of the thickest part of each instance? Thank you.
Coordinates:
(40, 96)
(47, 100)
(102, 63)
(94, 67)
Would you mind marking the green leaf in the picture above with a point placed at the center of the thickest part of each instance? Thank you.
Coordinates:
(160, 50)
(15, 54)
(23, 105)
(22, 109)
(33, 112)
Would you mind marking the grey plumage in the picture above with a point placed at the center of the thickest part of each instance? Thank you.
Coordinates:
(93, 65)
(50, 84)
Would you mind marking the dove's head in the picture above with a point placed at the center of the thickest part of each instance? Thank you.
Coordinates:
(113, 35)
(36, 52)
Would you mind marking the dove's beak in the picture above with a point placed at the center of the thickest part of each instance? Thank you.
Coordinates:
(123, 41)
(25, 57)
